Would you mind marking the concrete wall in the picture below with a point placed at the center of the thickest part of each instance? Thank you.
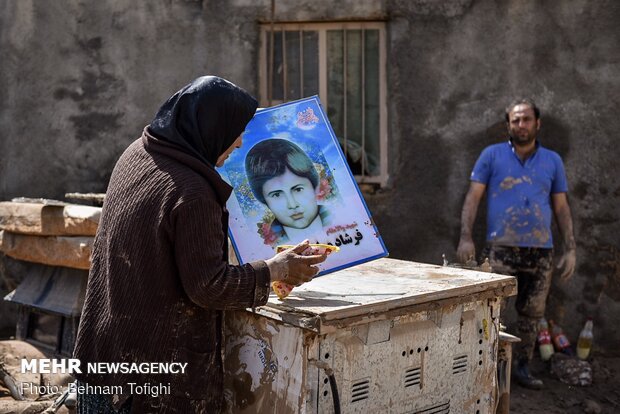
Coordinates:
(79, 80)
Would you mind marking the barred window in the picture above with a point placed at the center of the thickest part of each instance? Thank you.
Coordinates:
(343, 63)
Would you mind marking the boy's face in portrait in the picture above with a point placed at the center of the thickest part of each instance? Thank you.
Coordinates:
(292, 199)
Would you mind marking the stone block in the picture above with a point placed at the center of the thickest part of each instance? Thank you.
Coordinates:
(71, 252)
(49, 220)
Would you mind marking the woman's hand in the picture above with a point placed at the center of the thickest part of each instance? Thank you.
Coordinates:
(291, 267)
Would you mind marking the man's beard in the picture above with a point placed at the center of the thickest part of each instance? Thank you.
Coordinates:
(522, 140)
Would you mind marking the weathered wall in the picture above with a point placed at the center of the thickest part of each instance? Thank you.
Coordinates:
(454, 66)
(79, 80)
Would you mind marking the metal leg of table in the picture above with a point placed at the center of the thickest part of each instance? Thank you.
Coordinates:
(504, 364)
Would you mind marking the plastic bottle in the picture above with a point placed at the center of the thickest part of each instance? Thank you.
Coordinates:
(584, 344)
(544, 340)
(560, 340)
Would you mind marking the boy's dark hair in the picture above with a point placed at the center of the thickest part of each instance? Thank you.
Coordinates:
(522, 101)
(270, 158)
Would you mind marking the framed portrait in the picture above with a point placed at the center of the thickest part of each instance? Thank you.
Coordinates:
(291, 182)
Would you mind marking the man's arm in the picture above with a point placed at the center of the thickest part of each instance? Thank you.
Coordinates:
(466, 249)
(561, 209)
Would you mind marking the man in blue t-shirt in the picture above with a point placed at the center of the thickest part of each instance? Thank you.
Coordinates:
(525, 183)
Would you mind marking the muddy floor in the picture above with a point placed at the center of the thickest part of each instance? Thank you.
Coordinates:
(603, 396)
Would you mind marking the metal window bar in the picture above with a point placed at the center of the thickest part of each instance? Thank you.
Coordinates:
(284, 67)
(363, 87)
(271, 45)
(323, 87)
(323, 93)
(301, 64)
(383, 163)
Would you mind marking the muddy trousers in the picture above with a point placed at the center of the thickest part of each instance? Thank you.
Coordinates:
(533, 268)
(98, 403)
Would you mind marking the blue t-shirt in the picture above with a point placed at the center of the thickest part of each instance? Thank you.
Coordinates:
(519, 194)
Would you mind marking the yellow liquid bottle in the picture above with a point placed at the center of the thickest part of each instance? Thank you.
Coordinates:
(584, 344)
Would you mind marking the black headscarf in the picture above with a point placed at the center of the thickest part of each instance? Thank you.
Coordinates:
(205, 117)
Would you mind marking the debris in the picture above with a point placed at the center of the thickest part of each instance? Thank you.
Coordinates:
(25, 407)
(570, 370)
(471, 263)
(57, 403)
(32, 401)
(8, 380)
(486, 266)
(11, 354)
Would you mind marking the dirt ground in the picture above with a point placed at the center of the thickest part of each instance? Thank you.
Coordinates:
(603, 396)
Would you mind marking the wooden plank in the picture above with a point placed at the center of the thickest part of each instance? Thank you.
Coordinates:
(49, 220)
(388, 284)
(49, 250)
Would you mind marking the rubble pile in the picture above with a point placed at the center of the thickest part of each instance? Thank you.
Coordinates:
(48, 245)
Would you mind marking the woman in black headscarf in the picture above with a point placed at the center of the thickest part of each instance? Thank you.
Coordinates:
(204, 118)
(159, 278)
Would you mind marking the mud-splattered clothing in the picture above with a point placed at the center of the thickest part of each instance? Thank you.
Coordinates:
(533, 268)
(99, 404)
(159, 279)
(519, 194)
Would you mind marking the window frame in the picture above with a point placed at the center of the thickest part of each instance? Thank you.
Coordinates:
(321, 29)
